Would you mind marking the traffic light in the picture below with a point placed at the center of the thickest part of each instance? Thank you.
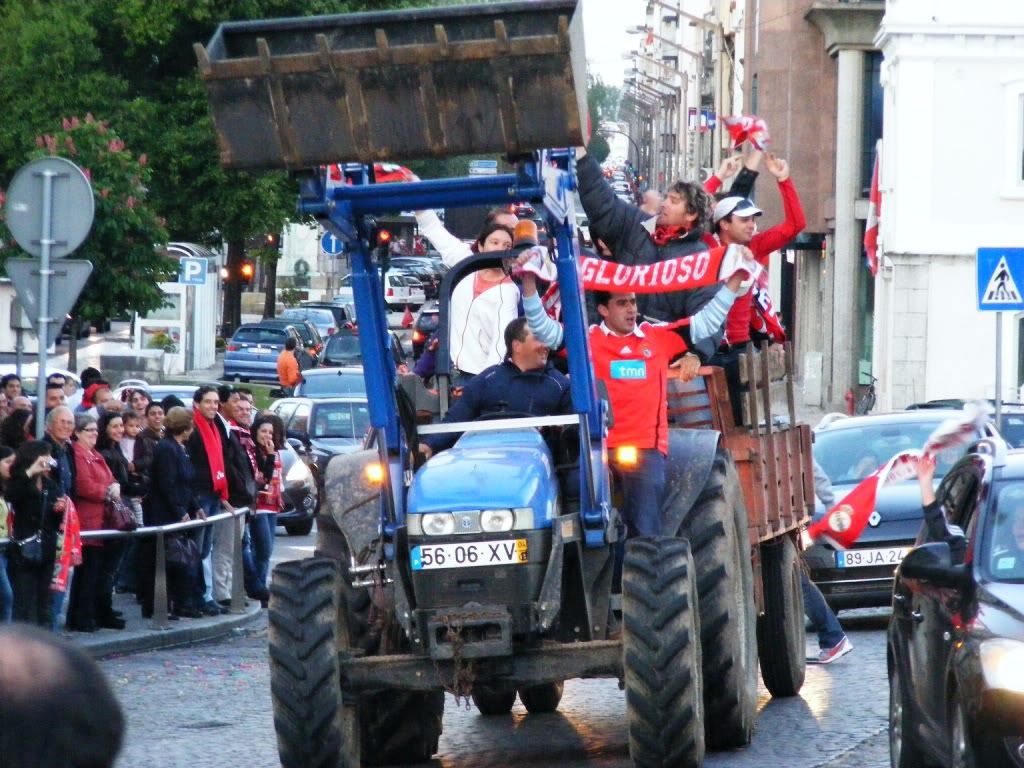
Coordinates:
(271, 240)
(380, 242)
(246, 272)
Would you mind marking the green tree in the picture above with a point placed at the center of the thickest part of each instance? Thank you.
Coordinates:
(603, 105)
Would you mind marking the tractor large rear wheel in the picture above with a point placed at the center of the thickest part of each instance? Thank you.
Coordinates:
(661, 654)
(716, 527)
(781, 635)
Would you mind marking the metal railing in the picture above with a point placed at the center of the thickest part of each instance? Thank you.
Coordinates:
(161, 618)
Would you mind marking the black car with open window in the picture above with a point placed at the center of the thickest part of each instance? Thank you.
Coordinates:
(956, 639)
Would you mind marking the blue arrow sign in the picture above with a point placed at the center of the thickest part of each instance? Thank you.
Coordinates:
(331, 245)
(1000, 279)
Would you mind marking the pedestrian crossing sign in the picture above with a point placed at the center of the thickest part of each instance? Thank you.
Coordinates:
(1000, 279)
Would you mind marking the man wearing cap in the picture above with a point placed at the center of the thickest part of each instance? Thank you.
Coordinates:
(634, 237)
(735, 222)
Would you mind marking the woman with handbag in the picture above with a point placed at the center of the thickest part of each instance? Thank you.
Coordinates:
(171, 499)
(268, 435)
(38, 507)
(6, 594)
(88, 608)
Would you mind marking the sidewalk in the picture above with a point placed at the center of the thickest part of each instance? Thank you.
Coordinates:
(138, 636)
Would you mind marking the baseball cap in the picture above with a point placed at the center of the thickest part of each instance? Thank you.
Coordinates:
(740, 206)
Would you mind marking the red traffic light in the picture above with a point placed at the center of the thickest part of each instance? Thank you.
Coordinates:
(383, 237)
(246, 271)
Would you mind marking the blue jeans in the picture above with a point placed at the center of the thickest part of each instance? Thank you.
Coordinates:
(258, 549)
(6, 592)
(643, 488)
(204, 540)
(823, 620)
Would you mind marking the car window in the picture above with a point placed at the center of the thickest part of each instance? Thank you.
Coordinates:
(848, 455)
(300, 419)
(333, 385)
(345, 345)
(957, 495)
(247, 335)
(1012, 429)
(284, 410)
(1002, 545)
(348, 420)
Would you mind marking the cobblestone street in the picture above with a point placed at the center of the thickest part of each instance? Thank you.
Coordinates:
(210, 706)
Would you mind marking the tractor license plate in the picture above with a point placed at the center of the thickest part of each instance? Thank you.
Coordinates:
(860, 558)
(469, 554)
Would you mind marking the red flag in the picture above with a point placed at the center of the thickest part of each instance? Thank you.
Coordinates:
(842, 525)
(874, 210)
(650, 38)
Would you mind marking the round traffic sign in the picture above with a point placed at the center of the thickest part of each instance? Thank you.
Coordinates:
(72, 206)
(331, 245)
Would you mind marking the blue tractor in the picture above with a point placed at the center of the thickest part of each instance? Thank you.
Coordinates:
(486, 571)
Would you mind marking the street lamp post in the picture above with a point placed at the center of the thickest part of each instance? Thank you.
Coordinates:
(629, 138)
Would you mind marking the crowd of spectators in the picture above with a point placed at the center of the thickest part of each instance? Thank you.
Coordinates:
(163, 461)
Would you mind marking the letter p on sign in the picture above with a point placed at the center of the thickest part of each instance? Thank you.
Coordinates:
(192, 271)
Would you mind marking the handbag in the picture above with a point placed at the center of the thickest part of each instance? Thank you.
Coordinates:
(181, 551)
(118, 516)
(31, 549)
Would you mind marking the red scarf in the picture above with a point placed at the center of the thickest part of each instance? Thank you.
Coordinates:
(69, 547)
(210, 436)
(664, 234)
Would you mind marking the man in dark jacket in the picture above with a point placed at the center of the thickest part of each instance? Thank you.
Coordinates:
(525, 382)
(635, 237)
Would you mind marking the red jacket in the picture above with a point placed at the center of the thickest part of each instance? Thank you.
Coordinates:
(635, 370)
(92, 479)
(763, 244)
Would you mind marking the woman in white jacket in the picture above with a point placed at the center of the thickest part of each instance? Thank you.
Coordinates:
(482, 304)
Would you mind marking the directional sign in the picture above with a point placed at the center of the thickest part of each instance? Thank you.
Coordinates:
(1000, 279)
(66, 282)
(72, 205)
(192, 270)
(331, 245)
(483, 167)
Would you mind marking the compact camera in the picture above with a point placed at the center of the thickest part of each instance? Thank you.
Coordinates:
(52, 463)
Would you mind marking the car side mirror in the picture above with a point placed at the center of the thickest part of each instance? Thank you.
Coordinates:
(297, 444)
(933, 562)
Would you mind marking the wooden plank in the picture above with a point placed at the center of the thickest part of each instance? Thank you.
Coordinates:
(772, 499)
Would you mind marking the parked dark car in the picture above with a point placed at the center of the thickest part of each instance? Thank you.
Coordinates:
(301, 493)
(332, 382)
(320, 429)
(321, 318)
(344, 349)
(849, 450)
(252, 351)
(956, 639)
(342, 316)
(426, 276)
(427, 322)
(312, 341)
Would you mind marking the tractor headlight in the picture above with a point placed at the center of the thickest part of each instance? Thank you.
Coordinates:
(1002, 662)
(438, 523)
(496, 520)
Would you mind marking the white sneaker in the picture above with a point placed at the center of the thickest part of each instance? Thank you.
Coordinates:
(828, 655)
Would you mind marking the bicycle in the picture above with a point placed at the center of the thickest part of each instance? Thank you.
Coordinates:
(866, 403)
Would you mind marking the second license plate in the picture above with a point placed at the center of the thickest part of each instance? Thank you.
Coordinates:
(862, 558)
(469, 554)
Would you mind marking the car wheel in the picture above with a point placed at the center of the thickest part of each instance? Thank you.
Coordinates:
(904, 744)
(960, 752)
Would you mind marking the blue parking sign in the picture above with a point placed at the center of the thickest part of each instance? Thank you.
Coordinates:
(192, 270)
(1000, 279)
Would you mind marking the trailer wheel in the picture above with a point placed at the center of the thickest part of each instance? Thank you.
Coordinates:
(661, 654)
(541, 698)
(493, 698)
(716, 527)
(781, 635)
(314, 620)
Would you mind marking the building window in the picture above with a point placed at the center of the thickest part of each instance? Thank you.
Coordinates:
(1013, 178)
(872, 128)
(1020, 140)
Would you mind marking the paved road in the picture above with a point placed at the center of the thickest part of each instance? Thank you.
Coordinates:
(210, 706)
